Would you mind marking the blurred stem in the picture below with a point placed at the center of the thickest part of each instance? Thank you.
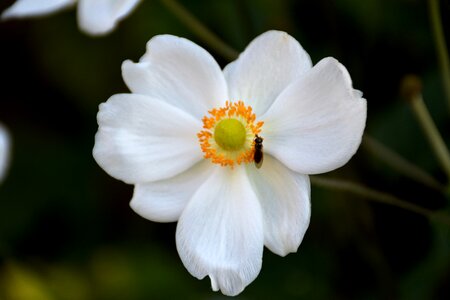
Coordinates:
(441, 47)
(398, 163)
(431, 131)
(381, 197)
(200, 30)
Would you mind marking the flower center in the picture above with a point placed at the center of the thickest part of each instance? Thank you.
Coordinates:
(228, 134)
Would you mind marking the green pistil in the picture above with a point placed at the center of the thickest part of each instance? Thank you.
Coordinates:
(230, 134)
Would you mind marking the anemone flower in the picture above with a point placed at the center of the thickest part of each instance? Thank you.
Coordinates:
(4, 152)
(95, 17)
(188, 135)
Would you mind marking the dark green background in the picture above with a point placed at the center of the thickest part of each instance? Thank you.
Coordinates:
(67, 232)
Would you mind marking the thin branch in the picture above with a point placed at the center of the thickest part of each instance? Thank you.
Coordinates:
(381, 197)
(200, 30)
(441, 47)
(400, 164)
(431, 132)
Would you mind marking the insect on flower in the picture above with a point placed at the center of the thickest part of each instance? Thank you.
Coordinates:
(258, 156)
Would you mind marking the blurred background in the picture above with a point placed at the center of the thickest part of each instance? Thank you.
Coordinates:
(66, 229)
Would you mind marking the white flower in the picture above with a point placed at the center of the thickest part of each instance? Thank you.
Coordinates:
(95, 17)
(184, 109)
(4, 152)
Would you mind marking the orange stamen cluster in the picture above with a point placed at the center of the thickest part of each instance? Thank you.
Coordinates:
(244, 114)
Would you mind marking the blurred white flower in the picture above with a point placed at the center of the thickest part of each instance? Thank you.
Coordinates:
(95, 17)
(185, 138)
(5, 145)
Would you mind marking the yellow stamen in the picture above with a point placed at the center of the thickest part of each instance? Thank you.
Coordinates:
(228, 135)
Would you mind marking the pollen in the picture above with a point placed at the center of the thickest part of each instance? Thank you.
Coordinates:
(228, 134)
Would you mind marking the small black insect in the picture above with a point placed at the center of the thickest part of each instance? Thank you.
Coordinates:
(258, 156)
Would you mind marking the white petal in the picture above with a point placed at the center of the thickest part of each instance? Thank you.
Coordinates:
(220, 232)
(29, 8)
(267, 66)
(99, 17)
(285, 199)
(164, 200)
(5, 145)
(179, 72)
(141, 139)
(316, 124)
